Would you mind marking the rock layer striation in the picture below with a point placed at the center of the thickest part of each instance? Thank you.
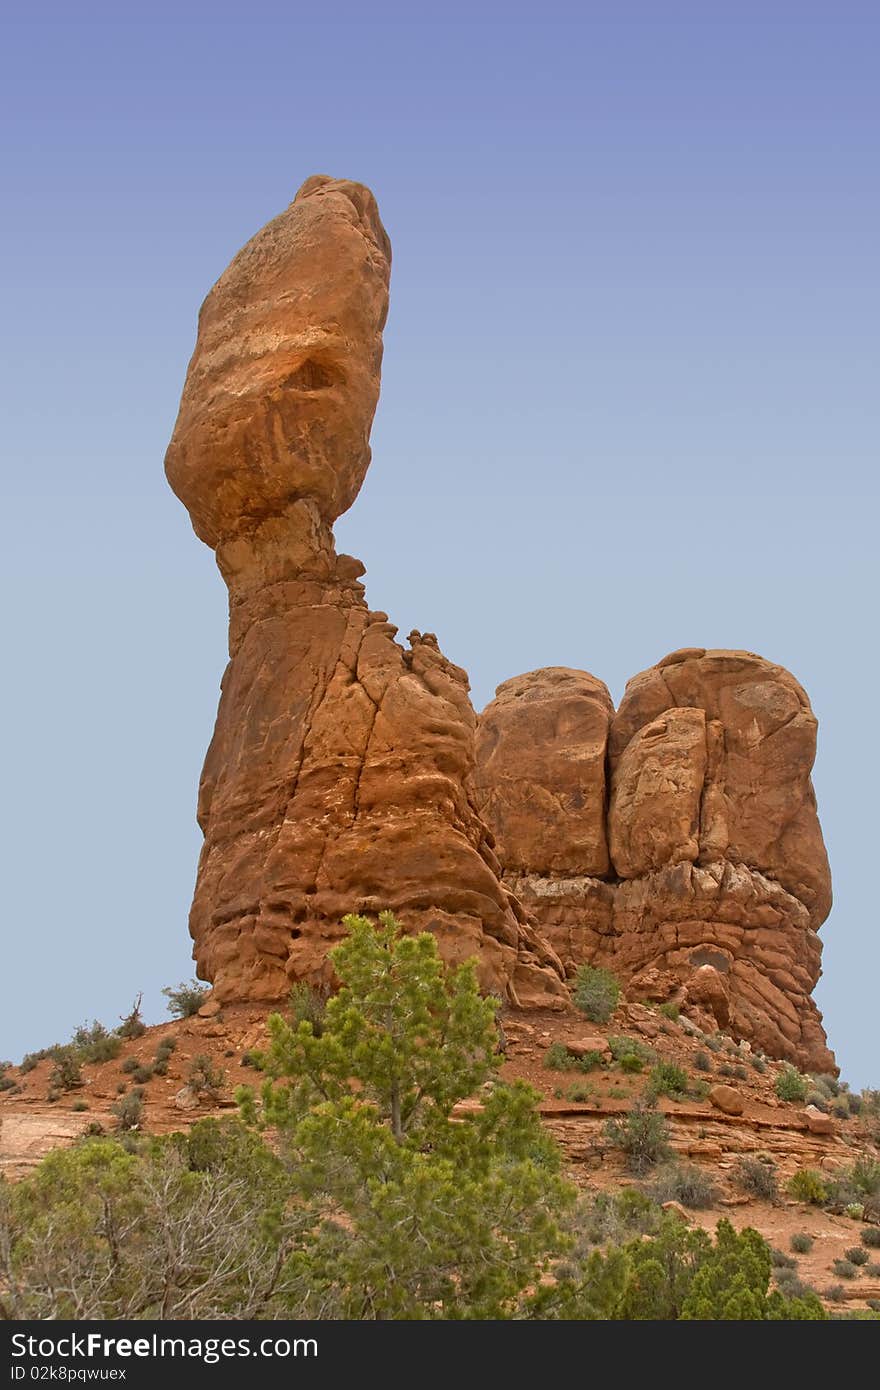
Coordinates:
(339, 775)
(685, 850)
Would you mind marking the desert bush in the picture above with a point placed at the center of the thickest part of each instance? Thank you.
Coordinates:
(131, 1025)
(702, 1061)
(670, 1011)
(808, 1185)
(790, 1085)
(31, 1059)
(844, 1269)
(95, 1044)
(6, 1083)
(757, 1177)
(596, 992)
(825, 1082)
(871, 1237)
(307, 1004)
(143, 1073)
(580, 1093)
(836, 1293)
(65, 1074)
(857, 1255)
(129, 1065)
(166, 1046)
(780, 1260)
(667, 1079)
(129, 1109)
(558, 1058)
(203, 1078)
(801, 1243)
(713, 1042)
(678, 1273)
(872, 1270)
(186, 999)
(622, 1048)
(759, 1063)
(790, 1284)
(642, 1135)
(685, 1183)
(611, 1218)
(80, 1105)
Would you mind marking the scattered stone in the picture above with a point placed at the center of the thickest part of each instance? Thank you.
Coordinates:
(727, 1099)
(817, 1121)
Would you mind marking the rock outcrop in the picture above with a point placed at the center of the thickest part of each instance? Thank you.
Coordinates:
(339, 775)
(711, 878)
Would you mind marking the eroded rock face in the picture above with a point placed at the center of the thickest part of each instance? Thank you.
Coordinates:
(338, 778)
(715, 878)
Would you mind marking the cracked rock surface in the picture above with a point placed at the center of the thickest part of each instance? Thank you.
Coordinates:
(339, 775)
(687, 854)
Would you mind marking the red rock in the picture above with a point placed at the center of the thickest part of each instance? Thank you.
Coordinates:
(719, 877)
(339, 775)
(817, 1121)
(582, 1047)
(727, 1099)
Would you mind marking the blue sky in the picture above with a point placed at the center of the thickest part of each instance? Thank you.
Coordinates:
(629, 399)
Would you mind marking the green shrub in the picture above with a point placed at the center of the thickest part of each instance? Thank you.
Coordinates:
(160, 1066)
(825, 1082)
(596, 992)
(631, 1063)
(801, 1243)
(702, 1061)
(713, 1042)
(740, 1073)
(80, 1105)
(872, 1271)
(95, 1044)
(758, 1178)
(667, 1079)
(558, 1058)
(130, 1064)
(806, 1185)
(65, 1074)
(129, 1110)
(307, 1004)
(6, 1083)
(684, 1183)
(780, 1260)
(186, 999)
(203, 1078)
(166, 1046)
(725, 1069)
(836, 1293)
(670, 1011)
(844, 1269)
(642, 1135)
(857, 1255)
(789, 1283)
(31, 1059)
(790, 1085)
(581, 1093)
(871, 1237)
(621, 1048)
(143, 1073)
(759, 1063)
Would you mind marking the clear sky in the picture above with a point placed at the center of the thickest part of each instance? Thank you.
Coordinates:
(629, 401)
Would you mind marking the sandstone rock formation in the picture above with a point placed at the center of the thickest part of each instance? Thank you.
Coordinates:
(711, 878)
(339, 775)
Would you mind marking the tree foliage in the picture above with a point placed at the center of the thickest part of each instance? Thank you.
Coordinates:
(413, 1211)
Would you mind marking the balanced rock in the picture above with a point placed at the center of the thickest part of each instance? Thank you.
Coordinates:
(338, 777)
